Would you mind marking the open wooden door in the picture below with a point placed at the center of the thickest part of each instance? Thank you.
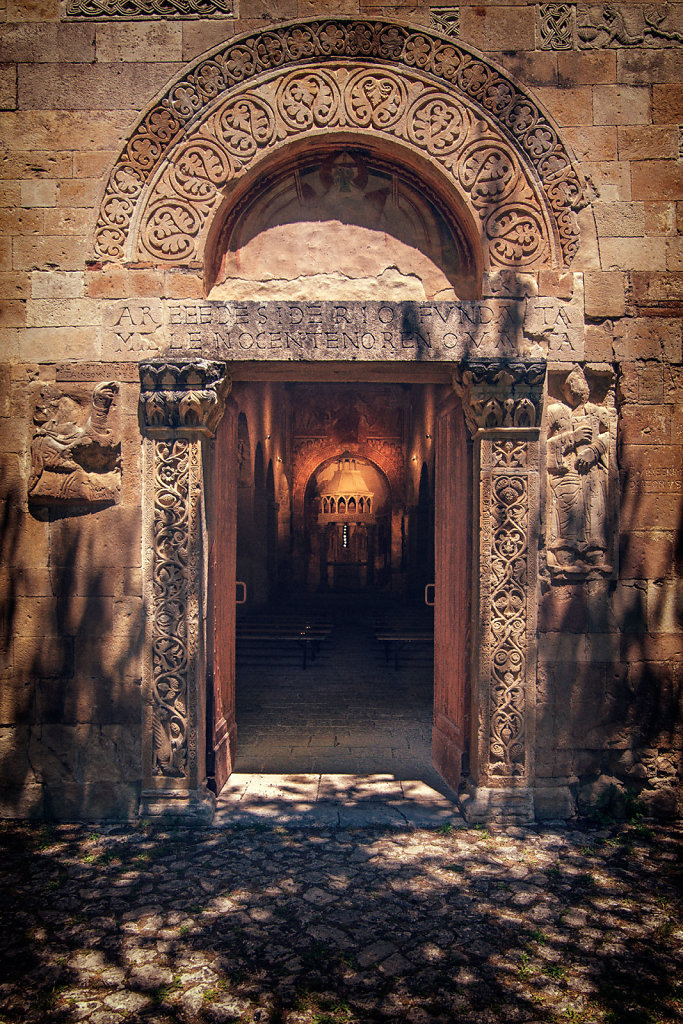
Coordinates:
(222, 727)
(452, 557)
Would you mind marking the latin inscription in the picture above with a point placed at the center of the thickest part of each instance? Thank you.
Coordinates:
(417, 331)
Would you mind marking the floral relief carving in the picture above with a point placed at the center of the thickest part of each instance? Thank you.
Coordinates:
(187, 396)
(162, 183)
(508, 621)
(170, 588)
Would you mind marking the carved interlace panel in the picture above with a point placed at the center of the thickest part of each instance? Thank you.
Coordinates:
(555, 22)
(446, 20)
(432, 95)
(508, 616)
(171, 593)
(130, 9)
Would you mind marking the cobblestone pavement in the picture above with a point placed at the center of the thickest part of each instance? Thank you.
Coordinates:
(332, 926)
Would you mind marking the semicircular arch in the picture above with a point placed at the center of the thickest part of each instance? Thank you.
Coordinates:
(424, 94)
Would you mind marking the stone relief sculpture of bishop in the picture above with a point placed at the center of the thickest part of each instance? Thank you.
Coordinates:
(580, 456)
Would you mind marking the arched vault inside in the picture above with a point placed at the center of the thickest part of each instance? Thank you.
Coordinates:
(438, 109)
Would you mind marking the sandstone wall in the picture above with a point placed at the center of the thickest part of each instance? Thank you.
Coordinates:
(73, 619)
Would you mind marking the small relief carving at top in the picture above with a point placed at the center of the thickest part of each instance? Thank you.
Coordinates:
(75, 451)
(596, 26)
(131, 9)
(446, 20)
(581, 466)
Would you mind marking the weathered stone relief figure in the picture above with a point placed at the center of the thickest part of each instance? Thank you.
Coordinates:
(580, 456)
(75, 455)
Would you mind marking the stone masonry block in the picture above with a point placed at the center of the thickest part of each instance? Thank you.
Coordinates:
(620, 219)
(57, 284)
(36, 164)
(56, 312)
(65, 221)
(665, 605)
(12, 313)
(604, 293)
(647, 142)
(15, 285)
(135, 41)
(645, 555)
(590, 143)
(635, 66)
(91, 86)
(535, 67)
(10, 193)
(59, 130)
(80, 192)
(498, 28)
(111, 538)
(656, 179)
(573, 106)
(611, 180)
(598, 343)
(621, 104)
(674, 254)
(648, 338)
(64, 252)
(653, 288)
(21, 222)
(633, 253)
(32, 10)
(645, 424)
(199, 36)
(586, 67)
(667, 104)
(660, 218)
(8, 87)
(92, 165)
(40, 344)
(34, 43)
(39, 192)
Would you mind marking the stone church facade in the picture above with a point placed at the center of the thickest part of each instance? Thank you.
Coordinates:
(247, 248)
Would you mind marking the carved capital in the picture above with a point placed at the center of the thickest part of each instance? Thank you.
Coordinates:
(183, 396)
(498, 393)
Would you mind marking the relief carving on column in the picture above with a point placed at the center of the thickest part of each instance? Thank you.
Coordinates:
(76, 448)
(181, 404)
(581, 467)
(503, 408)
(188, 396)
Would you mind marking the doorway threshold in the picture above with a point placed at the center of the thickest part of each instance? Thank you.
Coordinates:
(335, 801)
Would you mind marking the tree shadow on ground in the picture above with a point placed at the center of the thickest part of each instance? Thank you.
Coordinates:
(339, 926)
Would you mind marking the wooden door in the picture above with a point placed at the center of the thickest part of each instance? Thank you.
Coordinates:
(452, 557)
(222, 727)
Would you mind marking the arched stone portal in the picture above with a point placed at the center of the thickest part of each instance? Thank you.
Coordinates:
(489, 156)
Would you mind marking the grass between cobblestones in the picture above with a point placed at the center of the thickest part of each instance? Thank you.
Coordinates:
(287, 926)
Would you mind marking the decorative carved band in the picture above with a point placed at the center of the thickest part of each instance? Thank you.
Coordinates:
(501, 394)
(130, 9)
(187, 396)
(433, 95)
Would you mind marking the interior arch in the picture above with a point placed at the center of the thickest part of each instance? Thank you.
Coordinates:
(340, 220)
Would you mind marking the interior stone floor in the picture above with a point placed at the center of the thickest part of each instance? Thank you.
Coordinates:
(346, 739)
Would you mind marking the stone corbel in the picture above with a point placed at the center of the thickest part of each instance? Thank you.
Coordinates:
(181, 404)
(183, 396)
(503, 403)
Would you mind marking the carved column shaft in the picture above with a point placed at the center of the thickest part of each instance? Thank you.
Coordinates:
(502, 405)
(180, 407)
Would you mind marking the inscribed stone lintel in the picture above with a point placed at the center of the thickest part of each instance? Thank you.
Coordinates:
(354, 331)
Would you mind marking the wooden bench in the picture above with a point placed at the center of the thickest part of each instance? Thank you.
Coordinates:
(396, 639)
(307, 635)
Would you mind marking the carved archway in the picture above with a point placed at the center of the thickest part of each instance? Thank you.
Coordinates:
(435, 101)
